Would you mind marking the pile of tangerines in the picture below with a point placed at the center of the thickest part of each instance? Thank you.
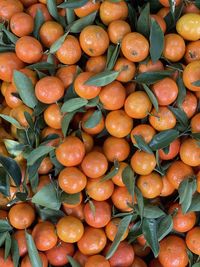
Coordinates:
(99, 133)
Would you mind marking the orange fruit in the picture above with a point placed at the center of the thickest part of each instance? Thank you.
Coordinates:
(145, 131)
(161, 22)
(126, 68)
(150, 185)
(117, 29)
(94, 40)
(191, 74)
(135, 47)
(5, 263)
(67, 74)
(163, 12)
(96, 64)
(141, 251)
(33, 8)
(43, 181)
(8, 8)
(98, 261)
(189, 104)
(174, 148)
(45, 166)
(192, 52)
(122, 199)
(190, 152)
(117, 178)
(21, 24)
(18, 114)
(138, 262)
(20, 237)
(195, 123)
(53, 116)
(87, 141)
(86, 9)
(75, 205)
(69, 229)
(191, 8)
(192, 240)
(162, 120)
(27, 263)
(93, 130)
(143, 163)
(30, 74)
(3, 214)
(149, 66)
(11, 100)
(111, 229)
(76, 212)
(80, 257)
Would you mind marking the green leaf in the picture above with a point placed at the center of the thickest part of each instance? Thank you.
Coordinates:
(141, 144)
(93, 102)
(165, 226)
(70, 15)
(7, 245)
(156, 40)
(38, 21)
(172, 7)
(128, 178)
(4, 182)
(163, 139)
(52, 8)
(140, 202)
(73, 4)
(197, 264)
(172, 18)
(103, 78)
(13, 38)
(194, 206)
(196, 83)
(37, 153)
(42, 66)
(143, 23)
(93, 120)
(180, 116)
(14, 148)
(181, 91)
(112, 173)
(66, 121)
(132, 16)
(152, 97)
(48, 214)
(5, 226)
(15, 252)
(25, 89)
(197, 3)
(152, 77)
(11, 120)
(12, 168)
(58, 43)
(78, 25)
(112, 56)
(152, 212)
(71, 199)
(74, 104)
(32, 252)
(149, 229)
(73, 262)
(47, 197)
(123, 226)
(3, 238)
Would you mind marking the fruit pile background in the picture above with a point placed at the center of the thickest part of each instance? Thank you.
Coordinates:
(99, 133)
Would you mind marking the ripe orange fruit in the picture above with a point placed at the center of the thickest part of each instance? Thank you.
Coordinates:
(28, 49)
(116, 148)
(137, 105)
(195, 123)
(113, 95)
(70, 51)
(189, 104)
(80, 257)
(8, 63)
(11, 100)
(67, 74)
(32, 10)
(117, 178)
(49, 89)
(155, 263)
(30, 74)
(43, 181)
(127, 69)
(143, 163)
(149, 66)
(162, 120)
(135, 47)
(53, 116)
(163, 12)
(94, 164)
(21, 216)
(87, 141)
(18, 114)
(50, 31)
(191, 8)
(21, 24)
(92, 242)
(83, 90)
(192, 240)
(145, 131)
(111, 11)
(190, 152)
(182, 222)
(140, 251)
(75, 211)
(191, 74)
(150, 185)
(98, 261)
(69, 229)
(111, 229)
(97, 128)
(174, 148)
(122, 199)
(138, 262)
(192, 52)
(100, 217)
(3, 214)
(86, 9)
(27, 263)
(174, 47)
(5, 263)
(173, 252)
(8, 8)
(95, 64)
(27, 3)
(75, 205)
(117, 29)
(45, 166)
(177, 172)
(98, 190)
(94, 40)
(71, 180)
(70, 152)
(161, 22)
(20, 237)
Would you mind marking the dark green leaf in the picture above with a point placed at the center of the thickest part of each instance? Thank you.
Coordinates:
(70, 93)
(4, 182)
(93, 120)
(128, 178)
(111, 60)
(132, 16)
(73, 4)
(15, 252)
(70, 15)
(48, 214)
(165, 226)
(171, 18)
(66, 121)
(141, 144)
(78, 25)
(143, 23)
(58, 43)
(11, 120)
(197, 3)
(74, 104)
(122, 227)
(73, 262)
(140, 202)
(103, 78)
(57, 166)
(172, 7)
(149, 229)
(71, 199)
(2, 238)
(51, 5)
(152, 77)
(14, 148)
(7, 245)
(112, 173)
(156, 40)
(38, 21)
(47, 197)
(5, 226)
(196, 83)
(13, 38)
(195, 203)
(181, 91)
(37, 153)
(42, 66)
(163, 139)
(32, 252)
(152, 212)
(180, 116)
(197, 264)
(12, 169)
(152, 97)
(93, 102)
